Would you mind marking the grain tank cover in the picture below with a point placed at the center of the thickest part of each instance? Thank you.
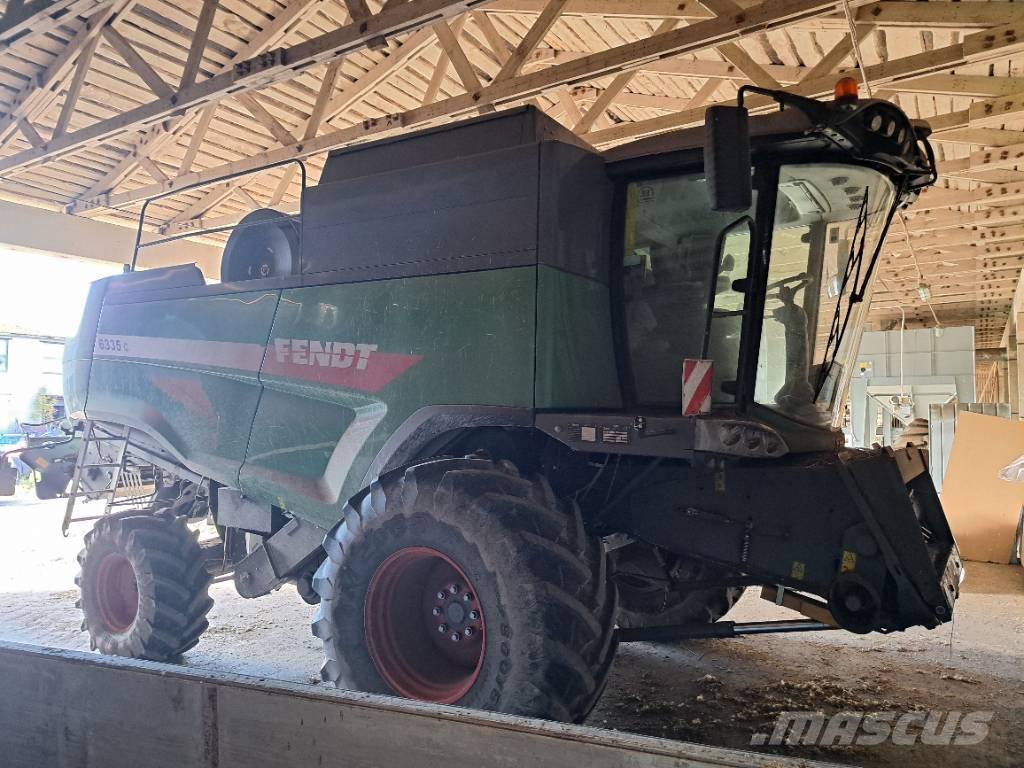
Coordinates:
(491, 133)
(505, 190)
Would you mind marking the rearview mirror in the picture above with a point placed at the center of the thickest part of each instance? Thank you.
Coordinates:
(727, 158)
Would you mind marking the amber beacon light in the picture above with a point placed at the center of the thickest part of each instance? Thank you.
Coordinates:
(846, 90)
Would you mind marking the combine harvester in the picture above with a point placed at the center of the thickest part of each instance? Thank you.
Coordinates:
(497, 402)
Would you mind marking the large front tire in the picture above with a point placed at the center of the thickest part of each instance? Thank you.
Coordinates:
(144, 587)
(462, 582)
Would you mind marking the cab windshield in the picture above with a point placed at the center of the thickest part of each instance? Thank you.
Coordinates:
(827, 224)
(685, 285)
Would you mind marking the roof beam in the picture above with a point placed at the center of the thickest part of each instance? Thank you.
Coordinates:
(980, 46)
(964, 236)
(768, 16)
(946, 15)
(75, 89)
(838, 53)
(30, 133)
(144, 145)
(264, 118)
(931, 221)
(916, 15)
(589, 93)
(213, 197)
(138, 64)
(151, 141)
(636, 9)
(210, 198)
(534, 35)
(499, 46)
(734, 53)
(39, 94)
(450, 45)
(199, 39)
(722, 70)
(414, 45)
(35, 17)
(198, 137)
(154, 170)
(273, 67)
(772, 14)
(985, 137)
(979, 86)
(357, 10)
(986, 159)
(995, 194)
(615, 87)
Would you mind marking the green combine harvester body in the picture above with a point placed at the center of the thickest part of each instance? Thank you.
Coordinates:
(497, 290)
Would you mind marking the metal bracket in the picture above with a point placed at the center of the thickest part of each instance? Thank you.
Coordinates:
(275, 561)
(236, 511)
(719, 629)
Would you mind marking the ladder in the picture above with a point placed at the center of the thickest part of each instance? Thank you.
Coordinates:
(93, 436)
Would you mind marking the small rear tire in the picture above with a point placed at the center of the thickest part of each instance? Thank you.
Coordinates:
(462, 582)
(144, 587)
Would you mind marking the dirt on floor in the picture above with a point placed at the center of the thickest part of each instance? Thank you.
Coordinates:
(718, 692)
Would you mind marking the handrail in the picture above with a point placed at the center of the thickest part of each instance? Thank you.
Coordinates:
(192, 233)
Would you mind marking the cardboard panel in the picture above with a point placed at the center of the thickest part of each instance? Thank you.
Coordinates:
(983, 509)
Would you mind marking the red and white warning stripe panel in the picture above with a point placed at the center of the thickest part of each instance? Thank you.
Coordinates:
(697, 386)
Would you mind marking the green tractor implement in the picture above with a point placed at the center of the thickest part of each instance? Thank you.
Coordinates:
(496, 401)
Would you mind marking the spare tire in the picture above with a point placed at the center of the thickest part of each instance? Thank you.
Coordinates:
(263, 244)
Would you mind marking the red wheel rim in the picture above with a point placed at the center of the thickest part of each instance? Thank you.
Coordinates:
(424, 626)
(116, 592)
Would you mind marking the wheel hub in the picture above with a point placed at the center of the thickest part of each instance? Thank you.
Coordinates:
(116, 592)
(424, 626)
(455, 612)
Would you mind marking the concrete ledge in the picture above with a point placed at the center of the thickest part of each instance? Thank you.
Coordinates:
(66, 709)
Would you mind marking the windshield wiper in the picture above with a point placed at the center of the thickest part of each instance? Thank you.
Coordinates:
(857, 283)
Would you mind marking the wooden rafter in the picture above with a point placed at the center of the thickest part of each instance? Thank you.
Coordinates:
(545, 20)
(39, 94)
(144, 112)
(199, 39)
(450, 45)
(151, 141)
(275, 67)
(36, 17)
(212, 198)
(138, 63)
(701, 36)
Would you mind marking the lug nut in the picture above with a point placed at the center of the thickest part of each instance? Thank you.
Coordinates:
(442, 628)
(436, 611)
(468, 631)
(454, 589)
(442, 595)
(474, 615)
(455, 637)
(468, 597)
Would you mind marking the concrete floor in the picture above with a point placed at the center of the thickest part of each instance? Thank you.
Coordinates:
(662, 690)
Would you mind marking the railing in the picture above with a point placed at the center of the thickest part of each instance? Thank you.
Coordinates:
(139, 245)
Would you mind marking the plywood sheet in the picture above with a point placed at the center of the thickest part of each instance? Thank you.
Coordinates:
(983, 509)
